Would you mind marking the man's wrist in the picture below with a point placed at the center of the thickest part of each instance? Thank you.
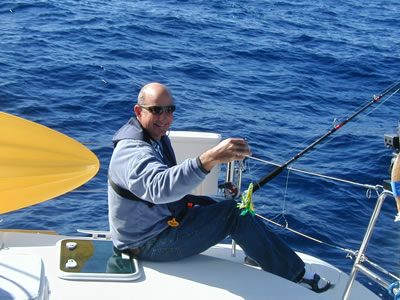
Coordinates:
(200, 164)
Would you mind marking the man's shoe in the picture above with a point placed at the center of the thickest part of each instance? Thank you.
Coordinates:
(318, 284)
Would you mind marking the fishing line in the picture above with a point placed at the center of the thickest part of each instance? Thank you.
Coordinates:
(282, 215)
(349, 251)
(277, 220)
(279, 169)
(336, 122)
(250, 168)
(383, 102)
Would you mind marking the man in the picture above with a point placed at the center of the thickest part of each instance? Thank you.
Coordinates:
(149, 192)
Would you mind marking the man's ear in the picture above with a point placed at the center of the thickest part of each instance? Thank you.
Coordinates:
(137, 110)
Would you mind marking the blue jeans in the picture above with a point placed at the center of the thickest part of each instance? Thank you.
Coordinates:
(206, 226)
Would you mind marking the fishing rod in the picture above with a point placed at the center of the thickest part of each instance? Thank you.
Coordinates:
(280, 168)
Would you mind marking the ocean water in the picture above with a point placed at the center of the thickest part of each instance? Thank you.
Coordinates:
(278, 73)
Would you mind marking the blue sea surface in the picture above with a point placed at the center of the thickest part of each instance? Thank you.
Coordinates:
(279, 73)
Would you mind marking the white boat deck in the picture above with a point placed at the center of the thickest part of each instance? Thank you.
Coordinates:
(214, 274)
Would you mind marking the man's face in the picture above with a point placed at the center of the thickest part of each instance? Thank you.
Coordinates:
(156, 125)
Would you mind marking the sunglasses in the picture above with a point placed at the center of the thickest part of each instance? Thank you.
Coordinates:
(158, 110)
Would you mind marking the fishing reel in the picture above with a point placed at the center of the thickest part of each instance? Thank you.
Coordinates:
(233, 181)
(392, 141)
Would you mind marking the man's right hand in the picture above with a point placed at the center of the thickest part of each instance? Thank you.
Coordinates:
(228, 150)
